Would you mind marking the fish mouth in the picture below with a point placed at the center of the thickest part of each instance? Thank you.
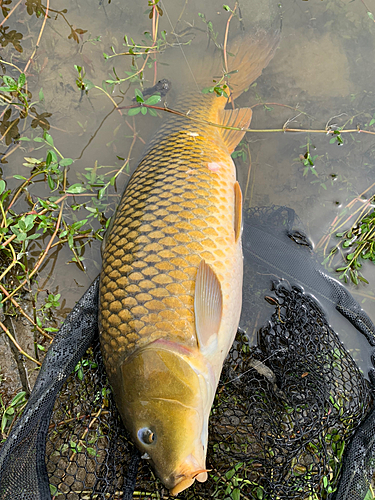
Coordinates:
(185, 475)
(186, 481)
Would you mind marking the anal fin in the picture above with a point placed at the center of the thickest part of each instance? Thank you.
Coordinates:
(208, 305)
(237, 210)
(239, 118)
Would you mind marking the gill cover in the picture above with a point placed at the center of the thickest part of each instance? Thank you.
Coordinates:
(163, 404)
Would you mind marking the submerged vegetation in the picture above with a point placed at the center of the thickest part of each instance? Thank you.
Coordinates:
(356, 245)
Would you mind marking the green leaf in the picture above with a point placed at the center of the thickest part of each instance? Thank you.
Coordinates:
(2, 186)
(76, 189)
(8, 80)
(9, 89)
(362, 279)
(260, 493)
(53, 489)
(154, 99)
(88, 84)
(138, 93)
(236, 494)
(70, 240)
(41, 95)
(230, 473)
(38, 139)
(33, 236)
(21, 80)
(4, 422)
(77, 225)
(48, 159)
(51, 183)
(134, 111)
(152, 112)
(101, 193)
(65, 162)
(91, 451)
(144, 111)
(371, 16)
(48, 139)
(18, 398)
(353, 277)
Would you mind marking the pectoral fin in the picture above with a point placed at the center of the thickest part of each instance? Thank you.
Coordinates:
(237, 210)
(208, 304)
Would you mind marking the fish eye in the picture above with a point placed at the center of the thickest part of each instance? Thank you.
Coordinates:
(146, 436)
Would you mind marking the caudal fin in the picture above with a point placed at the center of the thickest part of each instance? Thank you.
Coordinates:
(252, 53)
(247, 54)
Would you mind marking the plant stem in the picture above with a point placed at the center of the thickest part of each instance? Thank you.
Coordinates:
(18, 346)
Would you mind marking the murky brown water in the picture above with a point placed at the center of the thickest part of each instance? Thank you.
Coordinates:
(322, 72)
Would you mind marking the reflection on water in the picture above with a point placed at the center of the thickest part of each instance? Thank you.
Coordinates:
(319, 77)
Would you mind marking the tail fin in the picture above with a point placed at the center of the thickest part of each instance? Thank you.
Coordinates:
(248, 54)
(252, 53)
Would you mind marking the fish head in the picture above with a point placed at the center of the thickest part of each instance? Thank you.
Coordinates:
(165, 403)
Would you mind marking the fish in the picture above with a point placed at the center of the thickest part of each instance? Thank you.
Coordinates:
(171, 281)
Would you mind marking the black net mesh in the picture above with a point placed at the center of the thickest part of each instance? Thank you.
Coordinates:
(283, 414)
(23, 473)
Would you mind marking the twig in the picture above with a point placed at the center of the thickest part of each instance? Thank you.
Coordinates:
(96, 416)
(248, 171)
(24, 313)
(18, 346)
(225, 47)
(226, 38)
(42, 256)
(367, 9)
(11, 151)
(39, 37)
(242, 129)
(10, 13)
(14, 122)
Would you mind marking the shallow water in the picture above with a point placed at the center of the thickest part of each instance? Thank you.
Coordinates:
(322, 73)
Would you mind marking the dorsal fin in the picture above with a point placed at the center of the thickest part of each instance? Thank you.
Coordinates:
(239, 118)
(208, 304)
(237, 210)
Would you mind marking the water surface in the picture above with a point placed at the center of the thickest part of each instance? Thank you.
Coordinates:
(321, 74)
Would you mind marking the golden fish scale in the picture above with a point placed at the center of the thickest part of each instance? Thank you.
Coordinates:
(173, 214)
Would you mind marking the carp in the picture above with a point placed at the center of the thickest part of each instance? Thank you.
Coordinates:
(171, 281)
